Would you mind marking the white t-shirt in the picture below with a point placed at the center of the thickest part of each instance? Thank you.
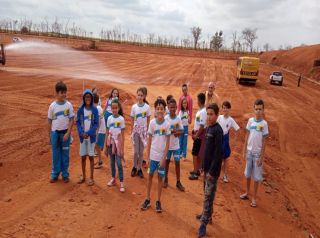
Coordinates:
(257, 130)
(159, 133)
(140, 114)
(60, 114)
(201, 118)
(177, 124)
(87, 119)
(184, 116)
(227, 123)
(115, 125)
(102, 122)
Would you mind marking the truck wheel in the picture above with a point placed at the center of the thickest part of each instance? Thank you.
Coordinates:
(280, 83)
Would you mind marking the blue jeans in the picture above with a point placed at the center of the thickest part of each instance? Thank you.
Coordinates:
(60, 154)
(113, 160)
(184, 142)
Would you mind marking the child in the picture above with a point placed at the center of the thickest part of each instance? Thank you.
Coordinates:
(211, 164)
(197, 134)
(257, 131)
(183, 140)
(226, 122)
(60, 118)
(169, 97)
(145, 92)
(101, 132)
(95, 90)
(140, 113)
(107, 108)
(157, 149)
(176, 129)
(115, 142)
(87, 125)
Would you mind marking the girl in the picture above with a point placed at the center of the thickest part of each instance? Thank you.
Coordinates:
(140, 113)
(184, 115)
(107, 108)
(115, 142)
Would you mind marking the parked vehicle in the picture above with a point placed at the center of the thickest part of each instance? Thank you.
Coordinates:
(276, 77)
(247, 69)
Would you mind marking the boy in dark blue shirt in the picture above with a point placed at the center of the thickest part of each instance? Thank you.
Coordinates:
(211, 164)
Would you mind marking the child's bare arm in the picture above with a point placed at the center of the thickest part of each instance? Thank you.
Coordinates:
(106, 142)
(49, 130)
(66, 136)
(163, 160)
(149, 147)
(123, 136)
(260, 160)
(245, 145)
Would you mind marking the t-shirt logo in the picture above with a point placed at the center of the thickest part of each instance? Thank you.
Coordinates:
(66, 112)
(198, 118)
(162, 131)
(117, 124)
(90, 116)
(176, 126)
(259, 127)
(144, 114)
(185, 116)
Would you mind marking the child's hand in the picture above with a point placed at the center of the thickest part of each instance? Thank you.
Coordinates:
(163, 163)
(66, 137)
(189, 120)
(106, 151)
(209, 177)
(259, 162)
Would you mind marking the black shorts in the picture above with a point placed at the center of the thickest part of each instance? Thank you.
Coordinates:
(196, 147)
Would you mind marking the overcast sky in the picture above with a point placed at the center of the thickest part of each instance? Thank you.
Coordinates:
(279, 22)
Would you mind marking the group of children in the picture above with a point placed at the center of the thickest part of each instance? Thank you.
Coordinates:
(164, 136)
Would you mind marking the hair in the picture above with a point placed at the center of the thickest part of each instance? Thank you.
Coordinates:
(95, 98)
(202, 98)
(119, 104)
(184, 85)
(214, 107)
(144, 90)
(169, 97)
(160, 102)
(259, 102)
(181, 105)
(61, 87)
(113, 91)
(227, 104)
(172, 100)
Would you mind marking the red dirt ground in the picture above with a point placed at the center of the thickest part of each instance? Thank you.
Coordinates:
(288, 200)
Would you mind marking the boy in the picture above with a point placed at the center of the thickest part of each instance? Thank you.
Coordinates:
(211, 164)
(60, 118)
(227, 123)
(174, 146)
(257, 131)
(87, 125)
(101, 131)
(197, 133)
(157, 149)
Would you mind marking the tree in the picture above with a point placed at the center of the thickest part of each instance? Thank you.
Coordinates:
(196, 33)
(235, 41)
(249, 36)
(217, 41)
(266, 47)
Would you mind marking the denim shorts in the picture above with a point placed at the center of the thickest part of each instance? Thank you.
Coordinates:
(100, 140)
(175, 153)
(252, 169)
(87, 148)
(155, 165)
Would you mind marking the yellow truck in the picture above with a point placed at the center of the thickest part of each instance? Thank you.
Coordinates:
(247, 69)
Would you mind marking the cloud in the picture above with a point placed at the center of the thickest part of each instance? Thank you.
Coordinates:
(279, 22)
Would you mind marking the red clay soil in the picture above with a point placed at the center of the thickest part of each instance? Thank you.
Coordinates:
(288, 200)
(299, 60)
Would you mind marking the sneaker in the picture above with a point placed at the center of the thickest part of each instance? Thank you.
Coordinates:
(180, 186)
(195, 172)
(133, 172)
(122, 189)
(193, 177)
(53, 180)
(65, 179)
(158, 207)
(202, 230)
(98, 165)
(112, 182)
(146, 204)
(225, 179)
(140, 173)
(165, 182)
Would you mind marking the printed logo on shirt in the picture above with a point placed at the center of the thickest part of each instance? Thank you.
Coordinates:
(66, 112)
(89, 117)
(198, 118)
(257, 127)
(186, 117)
(160, 132)
(142, 114)
(115, 124)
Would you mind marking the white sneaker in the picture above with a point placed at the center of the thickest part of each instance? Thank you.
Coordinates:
(112, 182)
(225, 179)
(122, 189)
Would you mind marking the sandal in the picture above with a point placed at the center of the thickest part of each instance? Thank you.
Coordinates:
(81, 179)
(244, 196)
(90, 182)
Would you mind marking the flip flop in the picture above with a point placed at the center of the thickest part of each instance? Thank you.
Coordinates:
(81, 180)
(244, 196)
(90, 182)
